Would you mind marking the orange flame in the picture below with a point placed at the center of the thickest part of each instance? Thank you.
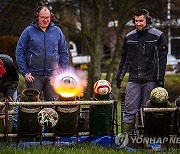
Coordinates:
(69, 82)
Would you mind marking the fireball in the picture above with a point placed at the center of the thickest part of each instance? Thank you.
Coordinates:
(69, 83)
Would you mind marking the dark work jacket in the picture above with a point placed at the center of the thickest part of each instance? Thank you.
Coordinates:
(9, 80)
(144, 55)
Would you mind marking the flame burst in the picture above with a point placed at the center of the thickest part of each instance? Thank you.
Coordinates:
(69, 83)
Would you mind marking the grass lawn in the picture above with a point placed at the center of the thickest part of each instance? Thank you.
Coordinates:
(78, 149)
(82, 148)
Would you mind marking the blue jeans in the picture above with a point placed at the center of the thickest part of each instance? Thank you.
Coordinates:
(137, 94)
(42, 84)
(15, 108)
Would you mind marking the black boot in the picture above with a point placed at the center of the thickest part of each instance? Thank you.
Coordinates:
(127, 127)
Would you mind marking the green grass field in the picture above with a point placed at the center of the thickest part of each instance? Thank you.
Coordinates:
(82, 148)
(78, 149)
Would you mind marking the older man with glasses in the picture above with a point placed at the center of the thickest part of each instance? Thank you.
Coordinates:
(40, 50)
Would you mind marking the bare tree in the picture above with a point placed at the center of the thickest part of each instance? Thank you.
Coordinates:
(16, 16)
(93, 17)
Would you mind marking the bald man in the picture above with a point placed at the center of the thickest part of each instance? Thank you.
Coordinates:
(40, 48)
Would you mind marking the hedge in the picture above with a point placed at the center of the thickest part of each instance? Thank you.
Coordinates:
(172, 85)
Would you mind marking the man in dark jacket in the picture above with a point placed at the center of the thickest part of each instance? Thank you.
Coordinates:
(8, 87)
(41, 49)
(144, 55)
(8, 78)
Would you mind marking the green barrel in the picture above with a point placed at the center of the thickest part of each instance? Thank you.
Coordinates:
(68, 120)
(67, 124)
(101, 117)
(28, 125)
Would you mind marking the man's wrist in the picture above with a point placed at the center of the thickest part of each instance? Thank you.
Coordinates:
(26, 74)
(160, 83)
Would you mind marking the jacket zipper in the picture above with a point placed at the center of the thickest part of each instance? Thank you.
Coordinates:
(44, 53)
(144, 49)
(157, 62)
(139, 66)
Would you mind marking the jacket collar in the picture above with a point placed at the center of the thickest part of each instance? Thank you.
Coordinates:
(144, 31)
(35, 24)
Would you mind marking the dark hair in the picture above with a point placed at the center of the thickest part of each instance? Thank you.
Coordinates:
(145, 13)
(141, 12)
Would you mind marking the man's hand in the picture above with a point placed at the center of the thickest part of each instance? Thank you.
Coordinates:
(118, 83)
(160, 83)
(2, 111)
(8, 98)
(29, 78)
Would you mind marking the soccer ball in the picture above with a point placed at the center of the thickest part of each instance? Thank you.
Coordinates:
(102, 87)
(159, 95)
(47, 117)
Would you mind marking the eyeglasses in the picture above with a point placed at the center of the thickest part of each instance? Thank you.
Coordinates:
(45, 18)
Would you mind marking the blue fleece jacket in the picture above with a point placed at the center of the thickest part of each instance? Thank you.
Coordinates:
(37, 52)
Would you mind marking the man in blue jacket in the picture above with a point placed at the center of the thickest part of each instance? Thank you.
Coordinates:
(40, 49)
(144, 55)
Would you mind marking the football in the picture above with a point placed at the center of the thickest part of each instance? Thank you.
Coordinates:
(47, 117)
(159, 95)
(102, 87)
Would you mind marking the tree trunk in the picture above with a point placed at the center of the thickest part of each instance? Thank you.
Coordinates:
(92, 37)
